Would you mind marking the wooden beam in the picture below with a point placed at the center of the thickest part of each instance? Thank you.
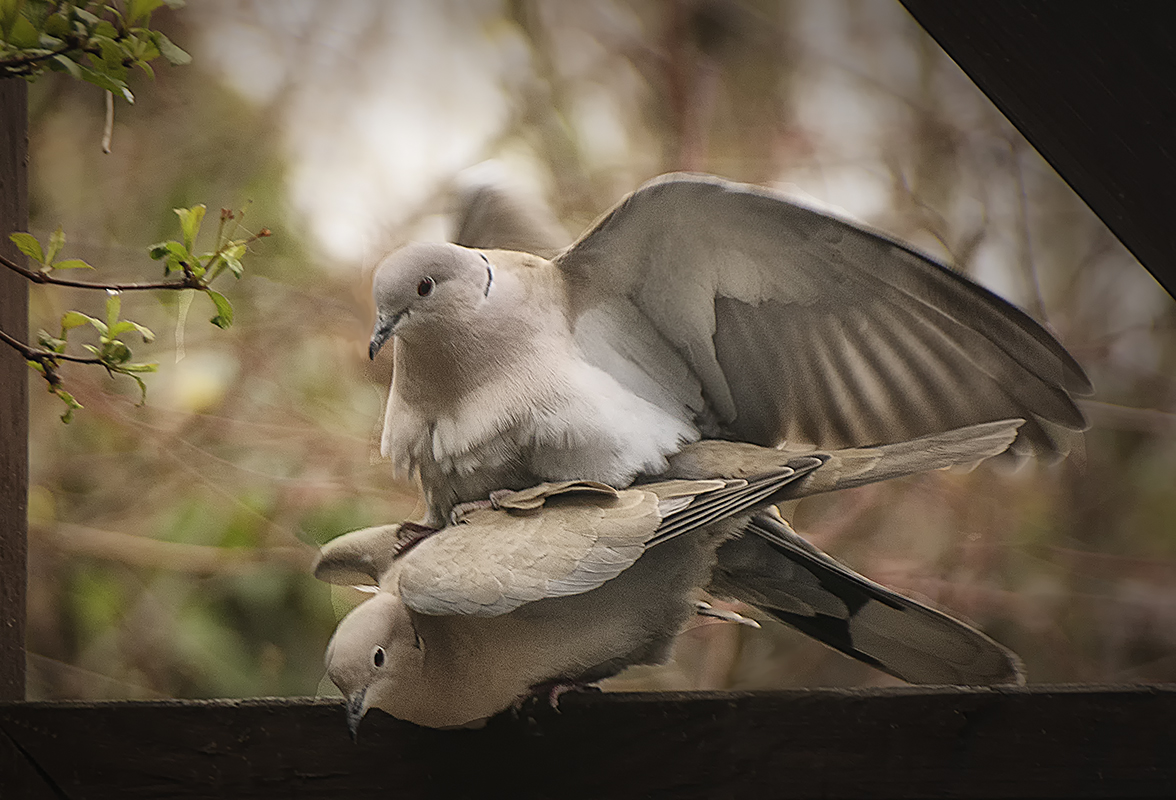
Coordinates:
(14, 401)
(1090, 86)
(916, 742)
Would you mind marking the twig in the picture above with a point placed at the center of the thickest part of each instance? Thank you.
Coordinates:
(13, 64)
(146, 553)
(186, 282)
(41, 356)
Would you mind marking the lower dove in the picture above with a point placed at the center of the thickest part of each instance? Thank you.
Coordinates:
(571, 582)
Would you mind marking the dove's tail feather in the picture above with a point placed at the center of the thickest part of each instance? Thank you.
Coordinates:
(773, 568)
(857, 467)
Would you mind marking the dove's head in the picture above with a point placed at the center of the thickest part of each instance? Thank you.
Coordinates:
(375, 657)
(425, 283)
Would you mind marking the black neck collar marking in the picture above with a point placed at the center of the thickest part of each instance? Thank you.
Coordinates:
(489, 275)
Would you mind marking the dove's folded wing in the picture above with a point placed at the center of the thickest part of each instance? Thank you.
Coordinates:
(565, 539)
(773, 322)
(359, 557)
(496, 560)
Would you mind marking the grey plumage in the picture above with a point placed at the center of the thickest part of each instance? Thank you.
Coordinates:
(574, 581)
(697, 308)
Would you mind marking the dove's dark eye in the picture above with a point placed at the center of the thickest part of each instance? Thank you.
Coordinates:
(425, 287)
(378, 657)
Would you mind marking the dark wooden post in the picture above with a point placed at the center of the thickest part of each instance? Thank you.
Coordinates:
(14, 417)
(1089, 86)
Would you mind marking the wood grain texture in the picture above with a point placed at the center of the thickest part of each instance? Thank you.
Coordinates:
(1040, 742)
(14, 401)
(1090, 86)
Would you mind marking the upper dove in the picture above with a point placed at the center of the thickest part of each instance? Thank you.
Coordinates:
(696, 309)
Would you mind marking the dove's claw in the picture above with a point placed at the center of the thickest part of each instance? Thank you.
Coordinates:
(551, 691)
(489, 504)
(411, 534)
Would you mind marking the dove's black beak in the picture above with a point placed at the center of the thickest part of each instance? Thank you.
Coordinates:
(385, 326)
(355, 713)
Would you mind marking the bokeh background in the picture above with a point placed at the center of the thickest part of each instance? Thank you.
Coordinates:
(170, 543)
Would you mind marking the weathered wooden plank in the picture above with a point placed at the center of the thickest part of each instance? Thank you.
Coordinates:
(1090, 86)
(1040, 742)
(14, 404)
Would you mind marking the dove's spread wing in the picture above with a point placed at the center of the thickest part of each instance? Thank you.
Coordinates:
(775, 322)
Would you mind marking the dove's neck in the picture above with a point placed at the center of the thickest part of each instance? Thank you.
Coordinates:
(439, 367)
(502, 397)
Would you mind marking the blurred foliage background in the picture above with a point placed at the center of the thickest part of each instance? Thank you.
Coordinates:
(170, 543)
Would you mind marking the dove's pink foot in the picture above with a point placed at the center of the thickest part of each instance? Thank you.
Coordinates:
(461, 509)
(551, 691)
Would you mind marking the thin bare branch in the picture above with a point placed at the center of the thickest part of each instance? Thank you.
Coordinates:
(146, 553)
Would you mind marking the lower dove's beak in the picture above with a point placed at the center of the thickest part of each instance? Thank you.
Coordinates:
(355, 711)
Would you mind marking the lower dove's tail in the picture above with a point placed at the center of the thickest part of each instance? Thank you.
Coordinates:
(776, 570)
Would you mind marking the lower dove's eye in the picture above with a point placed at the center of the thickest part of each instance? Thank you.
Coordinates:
(378, 657)
(425, 287)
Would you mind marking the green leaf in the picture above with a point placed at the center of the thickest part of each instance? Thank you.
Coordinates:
(107, 82)
(71, 66)
(173, 253)
(72, 263)
(142, 386)
(190, 219)
(56, 242)
(104, 28)
(23, 35)
(128, 368)
(141, 9)
(126, 325)
(9, 11)
(234, 265)
(115, 352)
(112, 58)
(75, 319)
(71, 404)
(85, 16)
(57, 26)
(169, 50)
(113, 309)
(28, 244)
(50, 342)
(224, 315)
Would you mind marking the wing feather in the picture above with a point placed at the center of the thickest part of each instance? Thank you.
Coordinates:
(797, 325)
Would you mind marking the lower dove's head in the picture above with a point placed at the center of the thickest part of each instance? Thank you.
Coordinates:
(374, 656)
(427, 282)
